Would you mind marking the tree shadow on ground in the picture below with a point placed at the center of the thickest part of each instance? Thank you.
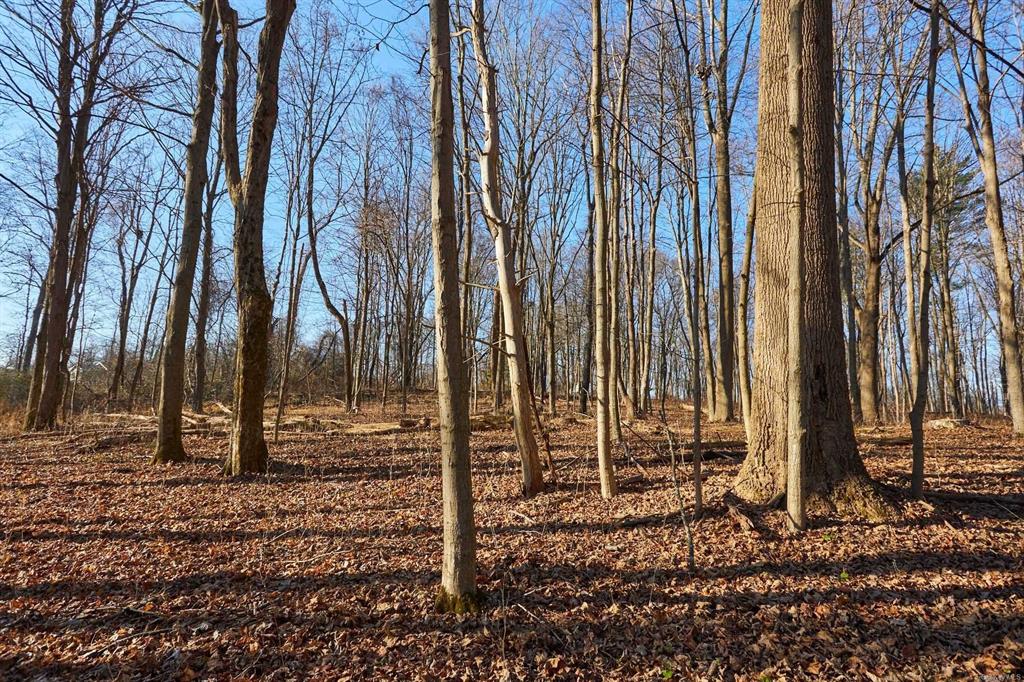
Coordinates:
(596, 616)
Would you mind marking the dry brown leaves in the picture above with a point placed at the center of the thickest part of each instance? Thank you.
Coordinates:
(327, 567)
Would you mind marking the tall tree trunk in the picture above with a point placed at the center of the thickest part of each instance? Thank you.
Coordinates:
(205, 292)
(613, 216)
(458, 568)
(248, 453)
(867, 339)
(834, 472)
(985, 148)
(796, 422)
(511, 298)
(169, 447)
(742, 339)
(41, 412)
(466, 202)
(724, 410)
(919, 351)
(603, 372)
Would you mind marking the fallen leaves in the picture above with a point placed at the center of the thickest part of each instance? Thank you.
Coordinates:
(327, 567)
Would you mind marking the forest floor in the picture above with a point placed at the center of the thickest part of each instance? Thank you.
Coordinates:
(327, 567)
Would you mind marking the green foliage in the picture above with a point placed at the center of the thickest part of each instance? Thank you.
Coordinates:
(959, 206)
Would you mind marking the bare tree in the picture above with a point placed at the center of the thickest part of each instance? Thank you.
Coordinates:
(169, 447)
(248, 453)
(979, 126)
(81, 82)
(603, 372)
(458, 568)
(508, 286)
(835, 472)
(919, 351)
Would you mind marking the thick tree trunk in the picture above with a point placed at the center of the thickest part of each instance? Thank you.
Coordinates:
(41, 412)
(997, 232)
(867, 340)
(458, 569)
(834, 472)
(724, 410)
(169, 447)
(248, 449)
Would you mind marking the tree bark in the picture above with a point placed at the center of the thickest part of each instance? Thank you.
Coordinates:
(248, 449)
(603, 372)
(532, 480)
(458, 591)
(169, 447)
(920, 350)
(834, 473)
(796, 423)
(41, 412)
